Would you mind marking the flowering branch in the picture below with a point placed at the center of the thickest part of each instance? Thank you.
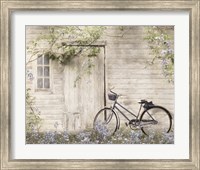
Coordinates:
(161, 44)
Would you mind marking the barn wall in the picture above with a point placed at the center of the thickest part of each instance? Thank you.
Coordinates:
(50, 103)
(126, 57)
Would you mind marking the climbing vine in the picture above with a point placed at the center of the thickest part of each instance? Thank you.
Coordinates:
(161, 44)
(63, 43)
(33, 120)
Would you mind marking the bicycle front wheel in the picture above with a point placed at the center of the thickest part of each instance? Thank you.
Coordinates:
(105, 122)
(156, 120)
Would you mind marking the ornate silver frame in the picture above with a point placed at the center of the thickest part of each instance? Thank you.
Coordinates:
(8, 6)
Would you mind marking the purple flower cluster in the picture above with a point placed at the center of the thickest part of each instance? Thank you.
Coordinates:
(161, 43)
(101, 128)
(92, 137)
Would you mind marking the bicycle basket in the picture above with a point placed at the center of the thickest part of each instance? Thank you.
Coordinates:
(112, 96)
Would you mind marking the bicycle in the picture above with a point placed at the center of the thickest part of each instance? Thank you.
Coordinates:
(153, 118)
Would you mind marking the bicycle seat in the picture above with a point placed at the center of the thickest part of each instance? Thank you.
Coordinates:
(148, 105)
(142, 101)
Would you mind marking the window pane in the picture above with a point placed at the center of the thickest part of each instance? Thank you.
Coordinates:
(46, 59)
(40, 71)
(40, 83)
(46, 83)
(40, 60)
(46, 71)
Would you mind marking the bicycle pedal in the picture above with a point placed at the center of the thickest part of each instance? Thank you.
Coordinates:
(126, 124)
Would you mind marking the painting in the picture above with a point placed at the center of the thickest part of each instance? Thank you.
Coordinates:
(99, 84)
(63, 141)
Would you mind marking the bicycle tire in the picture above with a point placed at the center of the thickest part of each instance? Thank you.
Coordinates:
(106, 122)
(158, 120)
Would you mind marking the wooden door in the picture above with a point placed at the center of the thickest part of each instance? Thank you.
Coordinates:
(84, 97)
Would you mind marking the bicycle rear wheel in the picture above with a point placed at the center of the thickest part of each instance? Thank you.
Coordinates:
(105, 122)
(155, 120)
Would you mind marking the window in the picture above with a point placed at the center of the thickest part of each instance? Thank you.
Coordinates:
(43, 72)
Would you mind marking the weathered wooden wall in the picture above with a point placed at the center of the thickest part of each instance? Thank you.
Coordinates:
(126, 57)
(50, 103)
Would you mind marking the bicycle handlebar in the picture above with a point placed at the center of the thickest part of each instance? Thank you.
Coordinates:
(113, 92)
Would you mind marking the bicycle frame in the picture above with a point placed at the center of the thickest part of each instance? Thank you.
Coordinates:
(136, 120)
(114, 107)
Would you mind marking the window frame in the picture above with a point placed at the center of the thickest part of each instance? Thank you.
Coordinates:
(36, 75)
